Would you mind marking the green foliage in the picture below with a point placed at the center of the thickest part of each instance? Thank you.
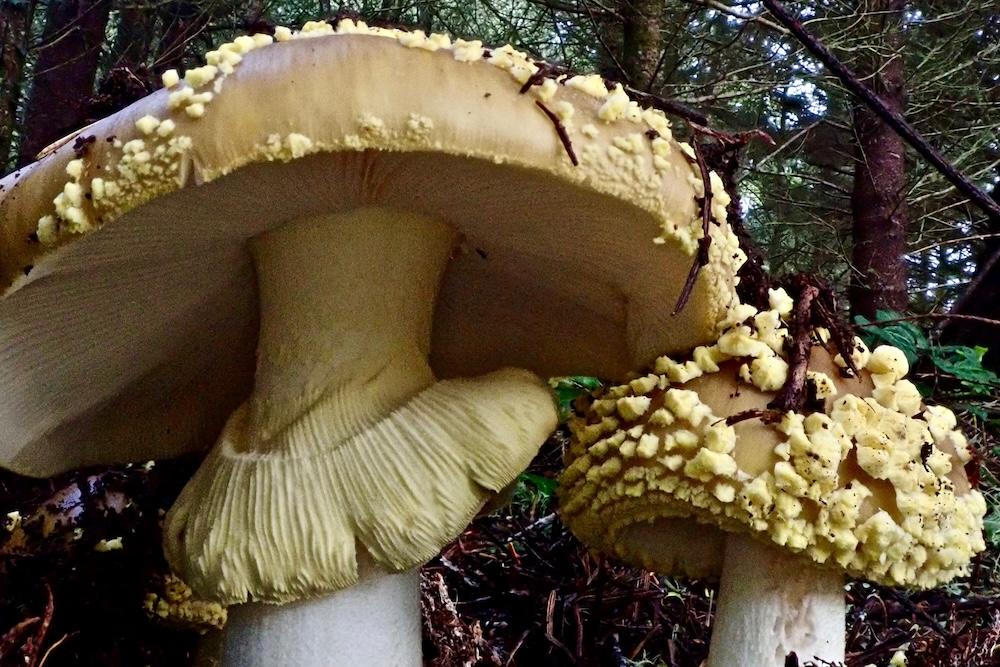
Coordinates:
(991, 527)
(535, 491)
(907, 336)
(570, 388)
(545, 486)
(960, 363)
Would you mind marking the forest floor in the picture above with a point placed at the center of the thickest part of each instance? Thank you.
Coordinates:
(515, 589)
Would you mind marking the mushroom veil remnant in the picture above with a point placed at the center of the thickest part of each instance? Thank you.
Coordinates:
(686, 471)
(340, 258)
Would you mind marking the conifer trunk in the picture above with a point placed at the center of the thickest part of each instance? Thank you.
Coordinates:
(878, 200)
(64, 73)
(641, 41)
(14, 22)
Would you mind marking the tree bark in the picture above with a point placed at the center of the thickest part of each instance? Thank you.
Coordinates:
(64, 72)
(641, 41)
(629, 38)
(14, 37)
(389, 11)
(878, 200)
(136, 35)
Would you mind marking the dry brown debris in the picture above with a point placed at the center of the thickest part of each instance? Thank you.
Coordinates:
(515, 589)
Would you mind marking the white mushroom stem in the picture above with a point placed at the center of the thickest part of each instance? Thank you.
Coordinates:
(359, 337)
(772, 604)
(376, 622)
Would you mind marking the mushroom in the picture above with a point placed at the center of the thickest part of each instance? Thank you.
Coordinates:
(685, 471)
(344, 258)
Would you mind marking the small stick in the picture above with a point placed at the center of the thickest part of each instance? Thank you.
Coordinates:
(933, 316)
(545, 70)
(766, 416)
(561, 131)
(34, 644)
(667, 106)
(701, 257)
(12, 638)
(793, 395)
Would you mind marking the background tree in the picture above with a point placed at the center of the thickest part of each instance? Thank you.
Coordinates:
(62, 80)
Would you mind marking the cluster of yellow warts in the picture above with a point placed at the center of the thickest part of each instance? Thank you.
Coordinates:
(153, 163)
(651, 449)
(176, 603)
(145, 169)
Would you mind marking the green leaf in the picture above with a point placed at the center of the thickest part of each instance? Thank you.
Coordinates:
(966, 365)
(963, 363)
(907, 336)
(546, 485)
(991, 527)
(570, 388)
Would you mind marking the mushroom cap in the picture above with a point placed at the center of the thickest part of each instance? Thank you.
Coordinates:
(128, 324)
(872, 484)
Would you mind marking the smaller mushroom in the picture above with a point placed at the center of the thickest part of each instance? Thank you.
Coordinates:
(685, 471)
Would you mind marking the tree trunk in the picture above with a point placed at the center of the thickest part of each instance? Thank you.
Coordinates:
(878, 201)
(641, 41)
(129, 76)
(64, 72)
(390, 11)
(14, 29)
(630, 40)
(136, 34)
(425, 16)
(183, 21)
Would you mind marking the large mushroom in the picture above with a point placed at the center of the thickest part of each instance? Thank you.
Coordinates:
(344, 258)
(687, 471)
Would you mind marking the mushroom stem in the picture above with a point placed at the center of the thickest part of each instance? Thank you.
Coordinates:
(349, 447)
(346, 306)
(376, 622)
(771, 604)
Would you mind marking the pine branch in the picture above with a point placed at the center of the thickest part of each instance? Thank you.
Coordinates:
(893, 119)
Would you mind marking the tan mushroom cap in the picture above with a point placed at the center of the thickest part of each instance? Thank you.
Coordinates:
(128, 324)
(873, 484)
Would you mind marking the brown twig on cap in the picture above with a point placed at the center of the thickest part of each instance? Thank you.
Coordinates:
(561, 131)
(701, 257)
(82, 144)
(766, 416)
(815, 306)
(793, 394)
(726, 148)
(545, 71)
(723, 157)
(667, 106)
(826, 315)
